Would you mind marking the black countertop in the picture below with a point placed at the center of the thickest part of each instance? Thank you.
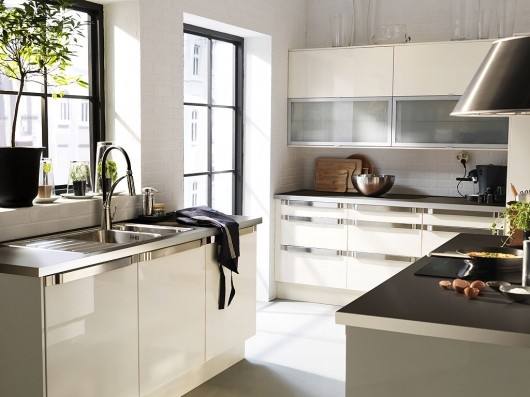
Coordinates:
(420, 201)
(419, 306)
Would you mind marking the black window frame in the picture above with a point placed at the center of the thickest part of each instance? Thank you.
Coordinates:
(238, 42)
(96, 92)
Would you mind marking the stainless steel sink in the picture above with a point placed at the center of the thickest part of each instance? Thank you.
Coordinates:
(156, 229)
(114, 236)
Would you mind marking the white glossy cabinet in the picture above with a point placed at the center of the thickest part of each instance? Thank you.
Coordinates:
(365, 272)
(92, 334)
(227, 328)
(341, 73)
(171, 298)
(444, 68)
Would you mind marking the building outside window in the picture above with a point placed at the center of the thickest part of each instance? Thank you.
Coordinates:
(68, 128)
(213, 114)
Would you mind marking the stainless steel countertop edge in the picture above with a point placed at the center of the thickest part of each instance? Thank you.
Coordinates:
(88, 260)
(391, 202)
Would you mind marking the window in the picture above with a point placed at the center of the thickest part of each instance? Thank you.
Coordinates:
(68, 128)
(213, 119)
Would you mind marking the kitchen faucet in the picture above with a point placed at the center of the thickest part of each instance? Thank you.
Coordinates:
(106, 219)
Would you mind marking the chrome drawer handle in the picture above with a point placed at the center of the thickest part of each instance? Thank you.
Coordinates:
(314, 251)
(315, 220)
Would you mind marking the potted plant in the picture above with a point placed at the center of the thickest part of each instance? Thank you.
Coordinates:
(37, 41)
(45, 179)
(79, 176)
(515, 221)
(112, 175)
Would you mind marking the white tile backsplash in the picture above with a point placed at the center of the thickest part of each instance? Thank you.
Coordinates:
(417, 171)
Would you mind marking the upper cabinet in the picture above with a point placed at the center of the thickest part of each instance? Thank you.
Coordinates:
(341, 73)
(423, 69)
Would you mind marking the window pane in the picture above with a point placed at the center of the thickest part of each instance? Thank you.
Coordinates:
(223, 73)
(195, 190)
(29, 126)
(195, 139)
(222, 192)
(79, 68)
(222, 139)
(69, 134)
(196, 50)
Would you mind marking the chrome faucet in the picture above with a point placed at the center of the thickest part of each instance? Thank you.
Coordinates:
(106, 219)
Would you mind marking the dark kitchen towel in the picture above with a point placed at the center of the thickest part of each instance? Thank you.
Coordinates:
(227, 242)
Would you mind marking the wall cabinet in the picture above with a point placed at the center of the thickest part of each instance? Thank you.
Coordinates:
(171, 298)
(445, 68)
(341, 72)
(92, 333)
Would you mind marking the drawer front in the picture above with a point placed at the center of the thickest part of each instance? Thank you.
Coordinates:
(313, 234)
(430, 241)
(372, 213)
(366, 273)
(323, 269)
(459, 221)
(314, 210)
(385, 240)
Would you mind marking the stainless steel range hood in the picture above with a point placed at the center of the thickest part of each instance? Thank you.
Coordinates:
(501, 85)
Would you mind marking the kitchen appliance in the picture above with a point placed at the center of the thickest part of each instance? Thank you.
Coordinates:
(148, 201)
(491, 181)
(333, 174)
(372, 185)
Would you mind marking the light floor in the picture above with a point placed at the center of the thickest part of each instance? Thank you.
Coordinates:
(298, 351)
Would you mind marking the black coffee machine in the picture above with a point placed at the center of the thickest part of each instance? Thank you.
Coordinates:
(491, 181)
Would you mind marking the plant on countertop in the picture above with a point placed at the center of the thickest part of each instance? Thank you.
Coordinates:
(515, 217)
(79, 173)
(38, 39)
(112, 170)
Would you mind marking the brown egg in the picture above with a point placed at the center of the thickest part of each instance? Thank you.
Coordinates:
(480, 285)
(471, 293)
(446, 284)
(460, 285)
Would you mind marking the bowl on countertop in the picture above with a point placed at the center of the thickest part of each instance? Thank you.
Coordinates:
(373, 185)
(516, 293)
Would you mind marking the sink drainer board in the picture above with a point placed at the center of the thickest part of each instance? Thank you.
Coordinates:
(61, 244)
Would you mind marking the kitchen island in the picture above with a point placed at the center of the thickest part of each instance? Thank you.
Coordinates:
(408, 337)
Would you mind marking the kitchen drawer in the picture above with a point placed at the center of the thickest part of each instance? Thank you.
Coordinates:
(366, 272)
(322, 268)
(314, 233)
(386, 240)
(430, 241)
(376, 213)
(312, 209)
(459, 221)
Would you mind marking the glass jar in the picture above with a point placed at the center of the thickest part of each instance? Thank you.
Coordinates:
(111, 166)
(46, 184)
(79, 179)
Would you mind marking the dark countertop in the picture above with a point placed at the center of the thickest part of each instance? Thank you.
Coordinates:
(404, 200)
(35, 262)
(417, 305)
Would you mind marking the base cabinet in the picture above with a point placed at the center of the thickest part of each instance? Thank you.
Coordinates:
(171, 302)
(92, 335)
(237, 322)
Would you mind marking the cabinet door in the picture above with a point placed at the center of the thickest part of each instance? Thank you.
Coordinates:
(366, 272)
(172, 325)
(313, 233)
(428, 122)
(231, 326)
(436, 68)
(384, 239)
(346, 122)
(345, 72)
(92, 334)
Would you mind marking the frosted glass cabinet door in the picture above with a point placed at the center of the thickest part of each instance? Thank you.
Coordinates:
(92, 335)
(347, 122)
(426, 122)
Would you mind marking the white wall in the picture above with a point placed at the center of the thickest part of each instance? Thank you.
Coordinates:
(426, 20)
(518, 153)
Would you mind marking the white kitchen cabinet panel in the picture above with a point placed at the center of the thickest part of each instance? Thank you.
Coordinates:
(376, 213)
(92, 333)
(366, 272)
(431, 240)
(383, 239)
(459, 220)
(322, 268)
(313, 209)
(171, 309)
(344, 72)
(314, 233)
(230, 327)
(423, 69)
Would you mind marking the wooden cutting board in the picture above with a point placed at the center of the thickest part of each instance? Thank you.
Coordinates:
(334, 174)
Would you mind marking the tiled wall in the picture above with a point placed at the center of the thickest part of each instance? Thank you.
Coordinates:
(425, 171)
(60, 216)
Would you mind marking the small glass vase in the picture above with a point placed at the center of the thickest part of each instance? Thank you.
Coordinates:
(79, 179)
(100, 150)
(46, 184)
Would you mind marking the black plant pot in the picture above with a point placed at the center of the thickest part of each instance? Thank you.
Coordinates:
(79, 188)
(19, 176)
